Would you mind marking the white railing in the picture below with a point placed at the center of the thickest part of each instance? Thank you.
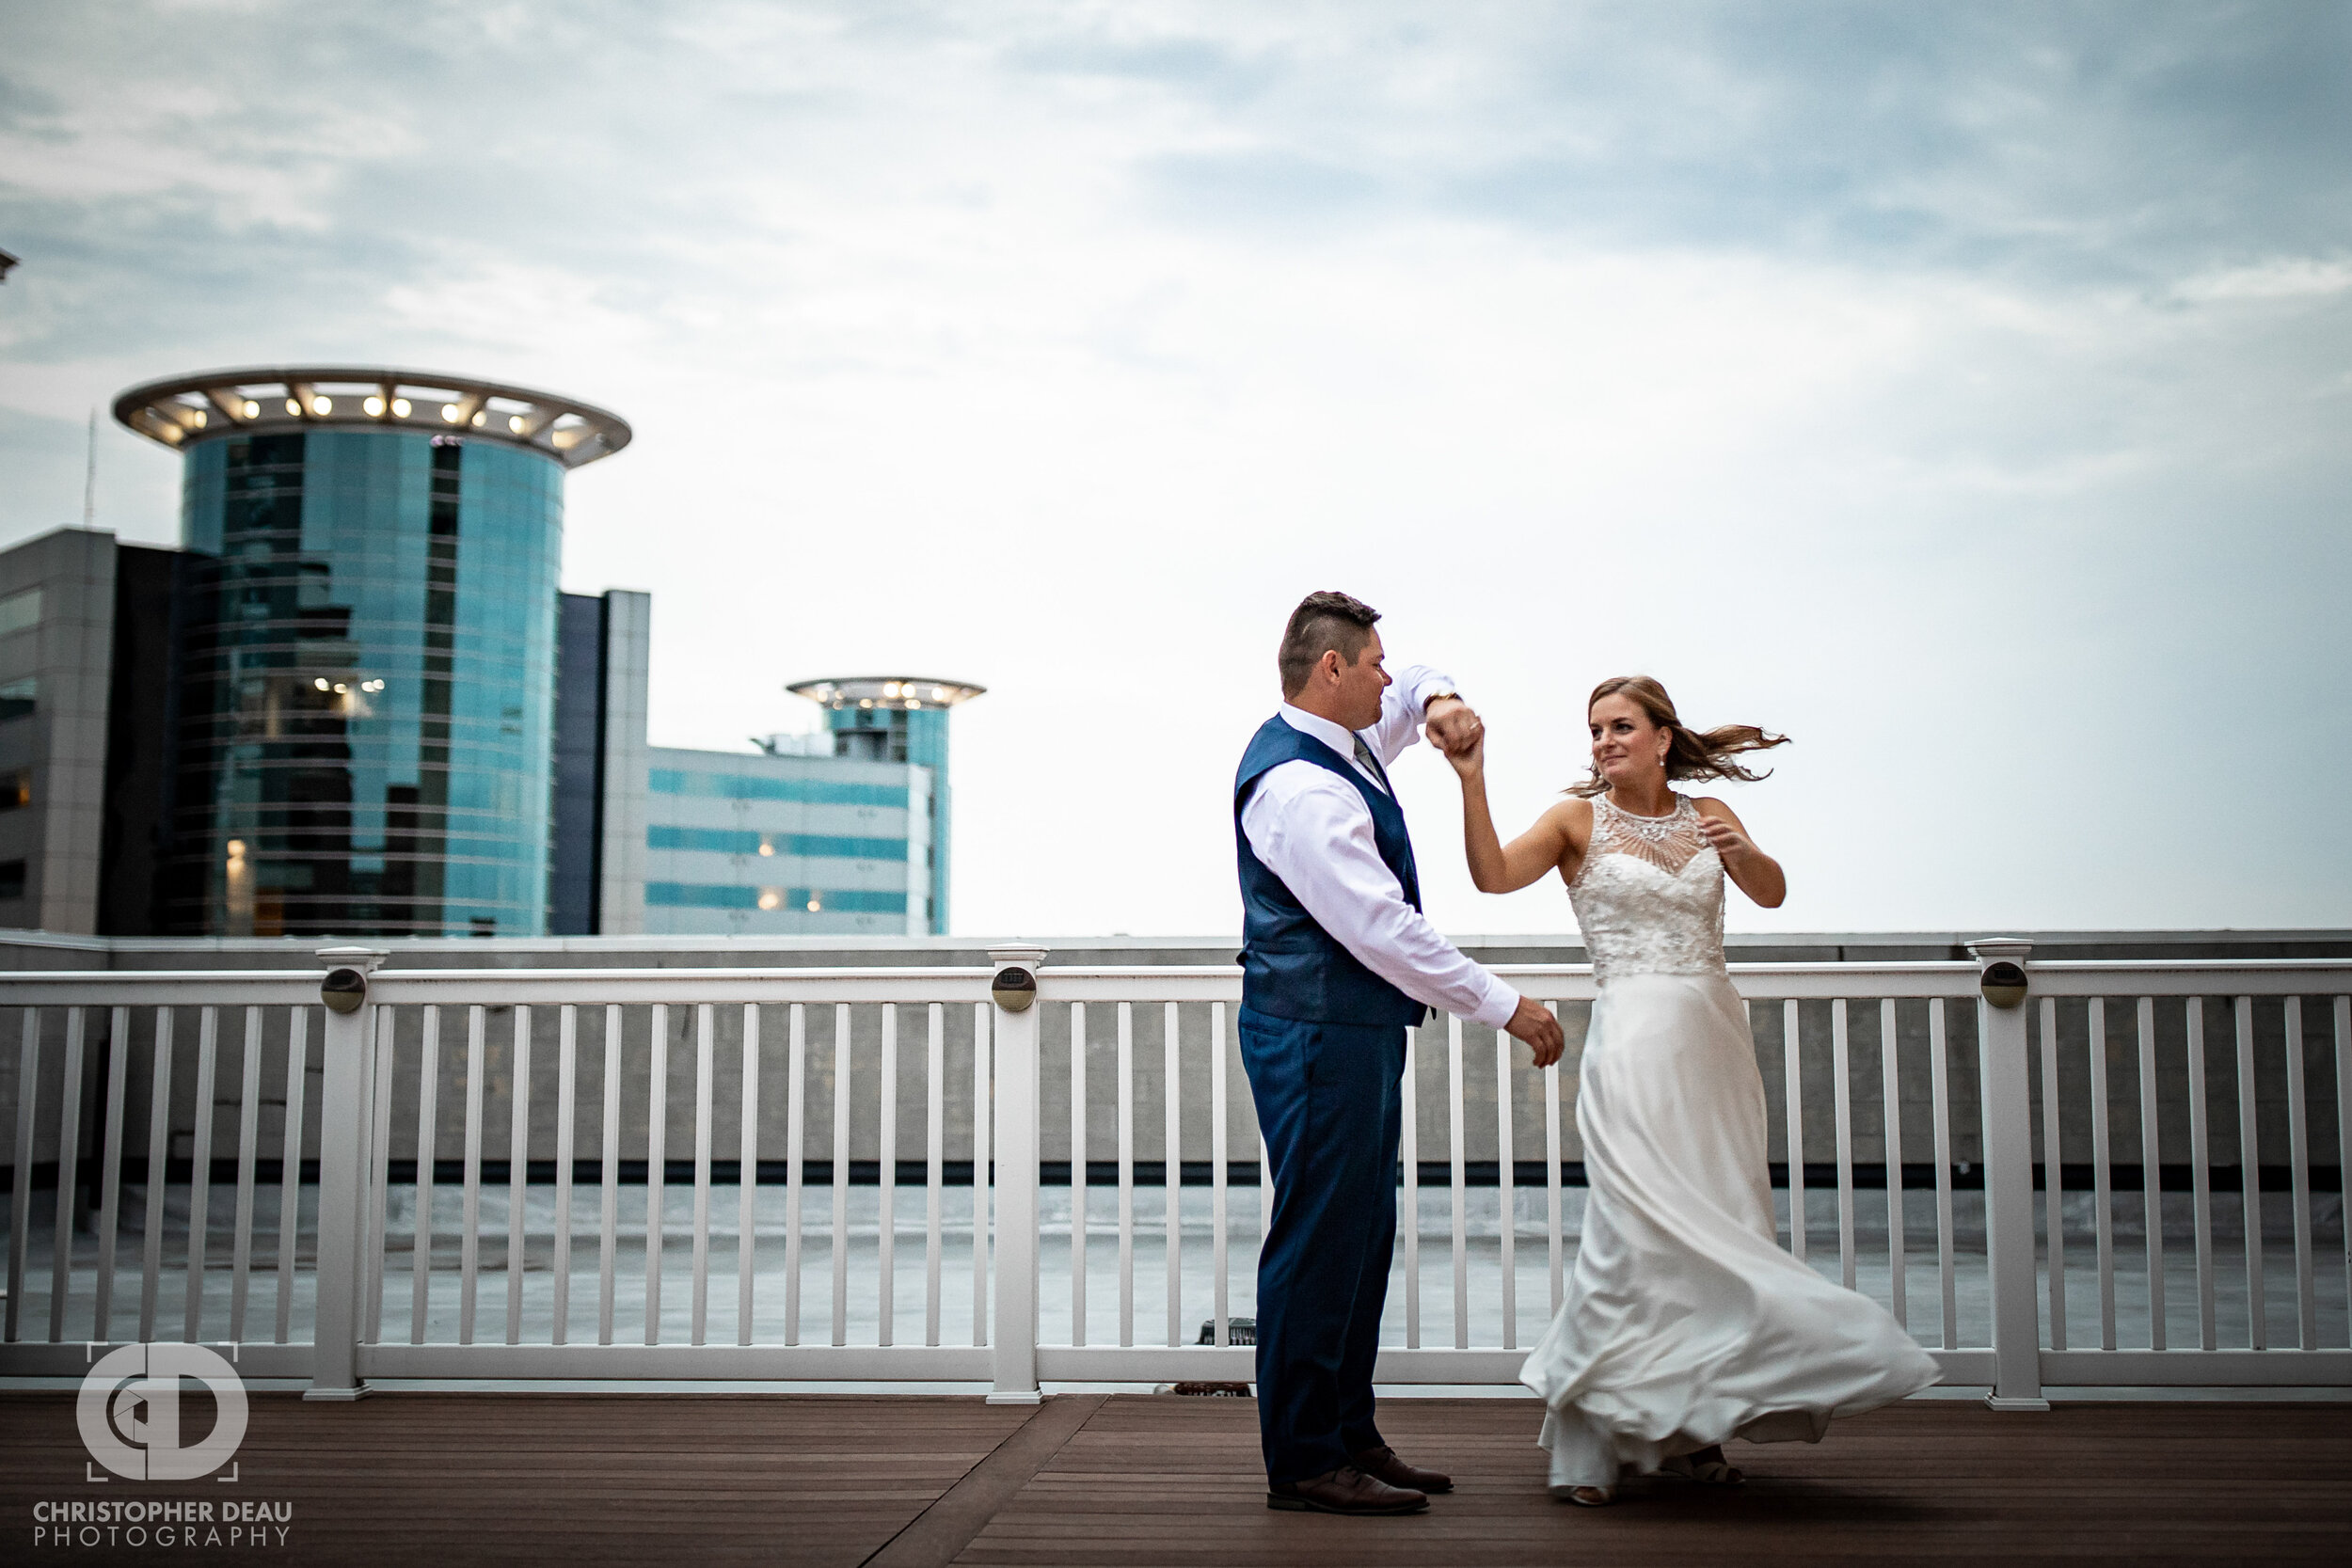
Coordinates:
(522, 1174)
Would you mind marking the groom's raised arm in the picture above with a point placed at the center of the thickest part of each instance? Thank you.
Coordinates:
(1310, 828)
(1402, 708)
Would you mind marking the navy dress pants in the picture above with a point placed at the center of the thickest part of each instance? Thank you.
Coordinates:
(1326, 1097)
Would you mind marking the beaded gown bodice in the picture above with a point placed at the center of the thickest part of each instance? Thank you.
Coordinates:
(1649, 894)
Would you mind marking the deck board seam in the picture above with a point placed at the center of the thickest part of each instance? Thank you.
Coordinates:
(938, 1535)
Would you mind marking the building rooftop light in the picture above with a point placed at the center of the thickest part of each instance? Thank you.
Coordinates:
(911, 692)
(167, 412)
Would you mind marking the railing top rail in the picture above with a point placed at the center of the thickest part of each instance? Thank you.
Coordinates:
(160, 988)
(1110, 982)
(642, 976)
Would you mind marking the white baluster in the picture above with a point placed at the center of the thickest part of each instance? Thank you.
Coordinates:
(567, 1134)
(747, 1179)
(110, 1167)
(517, 1171)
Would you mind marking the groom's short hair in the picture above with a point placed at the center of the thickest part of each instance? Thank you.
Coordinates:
(1322, 622)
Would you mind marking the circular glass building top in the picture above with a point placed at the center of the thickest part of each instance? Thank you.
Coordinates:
(912, 693)
(190, 408)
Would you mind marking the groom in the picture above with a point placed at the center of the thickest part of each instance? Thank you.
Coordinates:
(1338, 962)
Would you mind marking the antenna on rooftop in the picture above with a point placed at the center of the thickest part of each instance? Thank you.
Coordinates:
(89, 474)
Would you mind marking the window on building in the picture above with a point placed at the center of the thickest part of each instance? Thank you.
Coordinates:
(12, 880)
(16, 789)
(17, 698)
(20, 612)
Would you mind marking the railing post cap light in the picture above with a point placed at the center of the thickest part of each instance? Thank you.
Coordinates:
(345, 985)
(2002, 979)
(343, 989)
(1013, 988)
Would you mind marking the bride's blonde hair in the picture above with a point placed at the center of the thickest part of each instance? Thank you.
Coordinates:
(1693, 754)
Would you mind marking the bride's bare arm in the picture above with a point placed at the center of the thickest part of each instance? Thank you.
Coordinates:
(1755, 873)
(1494, 866)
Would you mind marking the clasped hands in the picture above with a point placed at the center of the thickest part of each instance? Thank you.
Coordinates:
(1454, 729)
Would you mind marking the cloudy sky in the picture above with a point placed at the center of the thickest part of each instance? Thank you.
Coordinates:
(1966, 390)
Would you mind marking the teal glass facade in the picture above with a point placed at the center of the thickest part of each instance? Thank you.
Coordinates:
(366, 685)
(918, 736)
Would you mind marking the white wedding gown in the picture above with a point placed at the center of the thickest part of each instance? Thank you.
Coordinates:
(1684, 1322)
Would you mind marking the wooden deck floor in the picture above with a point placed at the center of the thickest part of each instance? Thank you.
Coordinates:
(584, 1479)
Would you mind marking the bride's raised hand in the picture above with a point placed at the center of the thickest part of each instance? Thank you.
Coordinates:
(1469, 760)
(1453, 725)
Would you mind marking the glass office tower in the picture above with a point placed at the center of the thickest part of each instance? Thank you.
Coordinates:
(365, 651)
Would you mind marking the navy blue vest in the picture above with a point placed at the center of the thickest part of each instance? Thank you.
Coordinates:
(1291, 967)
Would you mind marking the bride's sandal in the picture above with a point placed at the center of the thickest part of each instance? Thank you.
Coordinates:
(1586, 1496)
(1707, 1467)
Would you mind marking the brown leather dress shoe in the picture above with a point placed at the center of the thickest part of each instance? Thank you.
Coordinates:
(1384, 1464)
(1346, 1490)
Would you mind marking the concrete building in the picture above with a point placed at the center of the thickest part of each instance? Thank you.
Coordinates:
(751, 843)
(842, 833)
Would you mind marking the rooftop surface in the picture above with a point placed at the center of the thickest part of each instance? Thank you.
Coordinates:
(902, 1480)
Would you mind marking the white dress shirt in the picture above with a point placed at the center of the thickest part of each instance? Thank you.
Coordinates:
(1312, 829)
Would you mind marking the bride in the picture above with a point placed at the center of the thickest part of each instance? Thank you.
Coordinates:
(1684, 1322)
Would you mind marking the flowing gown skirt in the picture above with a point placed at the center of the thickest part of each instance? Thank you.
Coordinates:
(1684, 1322)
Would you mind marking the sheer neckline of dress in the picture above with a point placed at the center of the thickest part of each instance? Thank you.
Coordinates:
(1670, 843)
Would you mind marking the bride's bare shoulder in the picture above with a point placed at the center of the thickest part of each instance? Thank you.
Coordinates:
(1572, 819)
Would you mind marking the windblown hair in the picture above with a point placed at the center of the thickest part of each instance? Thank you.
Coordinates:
(1321, 623)
(1694, 754)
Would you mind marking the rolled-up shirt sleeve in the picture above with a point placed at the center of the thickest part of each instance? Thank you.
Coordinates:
(1310, 828)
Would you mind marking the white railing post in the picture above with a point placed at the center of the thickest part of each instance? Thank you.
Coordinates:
(1013, 989)
(344, 1161)
(2008, 1175)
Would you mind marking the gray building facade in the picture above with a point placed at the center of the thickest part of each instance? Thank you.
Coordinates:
(596, 854)
(57, 629)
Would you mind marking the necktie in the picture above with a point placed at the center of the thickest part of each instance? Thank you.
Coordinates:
(1364, 760)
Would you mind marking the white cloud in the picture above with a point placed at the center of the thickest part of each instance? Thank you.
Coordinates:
(2283, 277)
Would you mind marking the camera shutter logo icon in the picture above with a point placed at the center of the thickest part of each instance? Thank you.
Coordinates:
(129, 1412)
